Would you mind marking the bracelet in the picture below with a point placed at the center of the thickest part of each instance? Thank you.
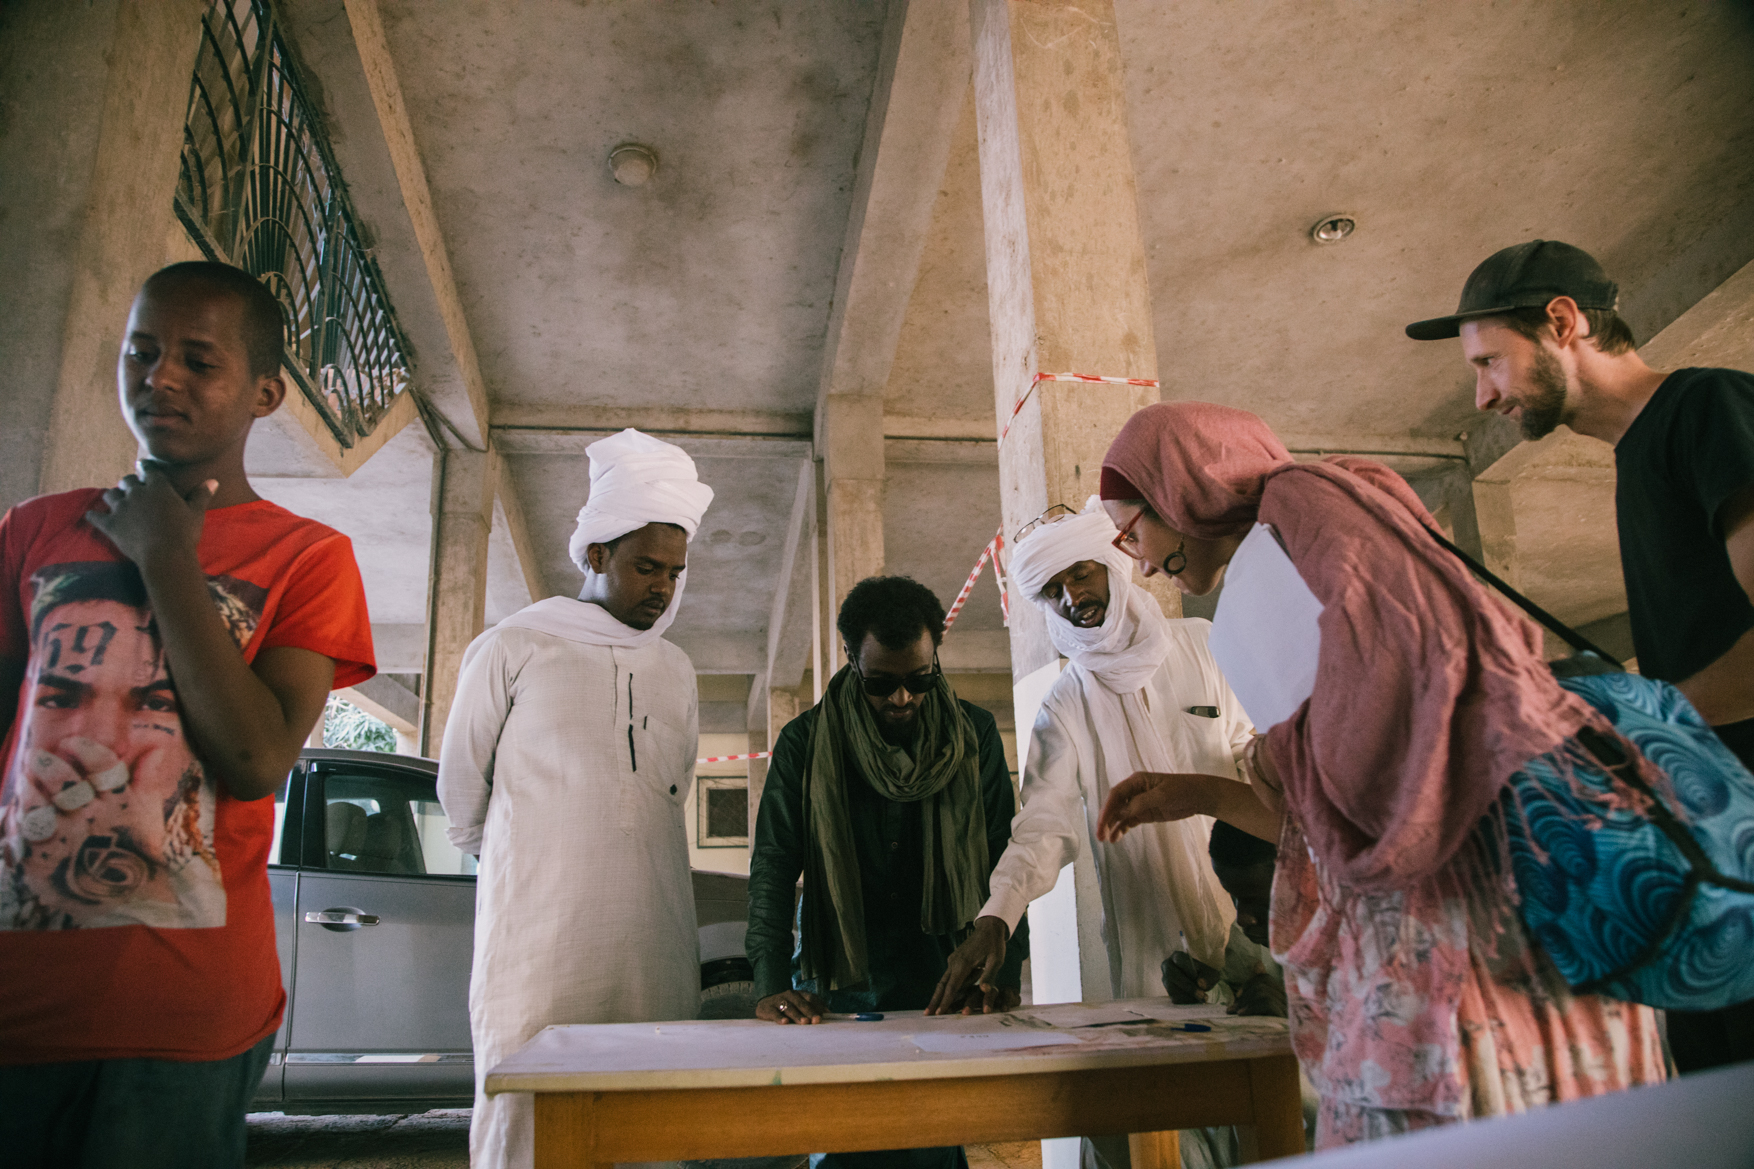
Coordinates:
(1254, 769)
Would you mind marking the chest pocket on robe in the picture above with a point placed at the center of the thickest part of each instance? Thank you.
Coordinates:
(664, 770)
(1202, 738)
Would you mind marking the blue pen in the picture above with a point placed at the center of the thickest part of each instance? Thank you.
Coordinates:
(868, 1017)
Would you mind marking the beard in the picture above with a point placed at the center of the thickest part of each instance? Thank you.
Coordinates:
(898, 734)
(1544, 407)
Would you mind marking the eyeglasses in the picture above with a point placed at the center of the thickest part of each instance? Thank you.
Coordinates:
(1057, 512)
(883, 685)
(1173, 565)
(1125, 535)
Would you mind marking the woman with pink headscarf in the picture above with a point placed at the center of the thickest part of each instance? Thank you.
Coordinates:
(1417, 998)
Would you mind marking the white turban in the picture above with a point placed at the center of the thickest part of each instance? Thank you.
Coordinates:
(1130, 731)
(637, 480)
(1132, 641)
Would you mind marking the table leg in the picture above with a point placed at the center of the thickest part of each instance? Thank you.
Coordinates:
(566, 1131)
(1278, 1107)
(1155, 1150)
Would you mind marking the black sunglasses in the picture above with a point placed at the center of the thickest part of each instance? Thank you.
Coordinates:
(883, 686)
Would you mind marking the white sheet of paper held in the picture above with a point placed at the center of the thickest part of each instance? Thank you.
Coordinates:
(1265, 635)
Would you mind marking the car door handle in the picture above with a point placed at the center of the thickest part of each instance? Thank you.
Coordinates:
(342, 917)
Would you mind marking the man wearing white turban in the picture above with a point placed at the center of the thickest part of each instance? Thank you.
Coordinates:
(566, 762)
(1141, 693)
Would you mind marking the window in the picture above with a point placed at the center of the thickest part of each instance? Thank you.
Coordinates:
(377, 823)
(258, 187)
(279, 823)
(724, 812)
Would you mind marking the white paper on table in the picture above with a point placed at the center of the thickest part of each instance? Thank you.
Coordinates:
(952, 1043)
(1265, 635)
(1078, 1015)
(1168, 1012)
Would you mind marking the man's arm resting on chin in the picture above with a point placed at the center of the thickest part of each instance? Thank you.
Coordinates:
(245, 721)
(1723, 692)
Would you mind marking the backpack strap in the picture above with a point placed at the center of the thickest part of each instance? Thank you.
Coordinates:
(1564, 632)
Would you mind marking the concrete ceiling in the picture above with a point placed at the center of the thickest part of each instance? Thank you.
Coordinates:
(734, 562)
(708, 285)
(1448, 130)
(943, 359)
(384, 508)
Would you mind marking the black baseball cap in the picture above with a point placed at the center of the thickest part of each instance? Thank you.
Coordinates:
(1527, 276)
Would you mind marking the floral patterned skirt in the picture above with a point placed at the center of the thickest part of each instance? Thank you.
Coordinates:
(1423, 1007)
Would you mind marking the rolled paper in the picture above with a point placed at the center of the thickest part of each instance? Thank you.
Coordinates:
(111, 779)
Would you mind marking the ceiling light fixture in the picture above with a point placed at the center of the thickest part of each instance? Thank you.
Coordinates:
(1331, 229)
(633, 165)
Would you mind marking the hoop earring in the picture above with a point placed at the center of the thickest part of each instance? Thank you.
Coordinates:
(1179, 558)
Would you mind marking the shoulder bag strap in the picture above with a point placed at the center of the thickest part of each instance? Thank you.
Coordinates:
(1564, 632)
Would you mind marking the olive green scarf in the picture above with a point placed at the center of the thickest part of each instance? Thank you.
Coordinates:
(943, 774)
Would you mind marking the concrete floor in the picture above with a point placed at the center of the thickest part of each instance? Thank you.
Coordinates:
(440, 1140)
(430, 1140)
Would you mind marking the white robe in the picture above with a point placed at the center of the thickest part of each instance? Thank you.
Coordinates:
(1157, 883)
(584, 909)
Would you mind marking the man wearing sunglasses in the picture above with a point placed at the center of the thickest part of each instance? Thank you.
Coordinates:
(891, 797)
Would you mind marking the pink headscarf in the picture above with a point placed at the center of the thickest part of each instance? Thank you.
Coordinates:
(1200, 465)
(1429, 694)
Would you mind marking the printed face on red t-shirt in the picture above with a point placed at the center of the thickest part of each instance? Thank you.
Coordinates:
(109, 817)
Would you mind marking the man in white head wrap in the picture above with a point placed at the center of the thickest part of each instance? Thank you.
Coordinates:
(1141, 693)
(566, 762)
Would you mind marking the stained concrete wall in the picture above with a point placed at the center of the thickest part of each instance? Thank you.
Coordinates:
(92, 100)
(50, 104)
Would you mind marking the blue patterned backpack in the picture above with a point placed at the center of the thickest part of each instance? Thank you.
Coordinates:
(1630, 897)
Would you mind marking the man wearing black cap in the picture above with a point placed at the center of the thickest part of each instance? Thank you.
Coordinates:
(1538, 324)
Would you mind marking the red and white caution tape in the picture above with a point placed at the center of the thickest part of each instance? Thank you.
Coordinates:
(987, 554)
(732, 758)
(1001, 578)
(1150, 382)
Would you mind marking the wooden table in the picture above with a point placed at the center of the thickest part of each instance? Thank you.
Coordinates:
(743, 1088)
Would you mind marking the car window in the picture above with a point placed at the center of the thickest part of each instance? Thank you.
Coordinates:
(279, 822)
(375, 823)
(279, 826)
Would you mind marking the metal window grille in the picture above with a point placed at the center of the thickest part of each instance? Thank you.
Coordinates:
(259, 188)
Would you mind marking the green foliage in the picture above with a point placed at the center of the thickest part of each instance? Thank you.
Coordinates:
(345, 725)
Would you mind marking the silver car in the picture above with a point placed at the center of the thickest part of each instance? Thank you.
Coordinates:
(374, 914)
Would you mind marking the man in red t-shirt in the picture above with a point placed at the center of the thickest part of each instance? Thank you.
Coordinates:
(171, 642)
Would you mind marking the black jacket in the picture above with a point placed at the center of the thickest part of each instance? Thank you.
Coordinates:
(905, 963)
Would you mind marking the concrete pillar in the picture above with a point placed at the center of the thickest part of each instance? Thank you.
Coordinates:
(769, 711)
(92, 103)
(852, 431)
(1544, 513)
(464, 484)
(1066, 279)
(822, 606)
(1067, 292)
